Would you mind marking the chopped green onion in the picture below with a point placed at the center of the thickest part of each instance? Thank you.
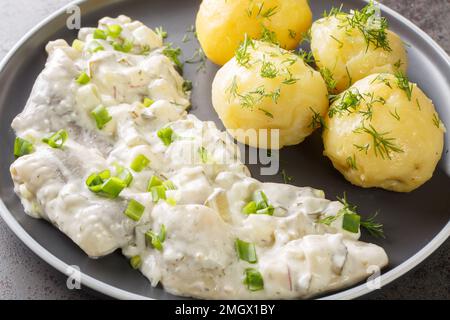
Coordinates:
(112, 187)
(156, 240)
(154, 182)
(139, 163)
(246, 251)
(166, 135)
(134, 210)
(261, 200)
(203, 154)
(78, 45)
(125, 47)
(351, 222)
(124, 174)
(267, 210)
(114, 30)
(250, 208)
(158, 193)
(57, 140)
(104, 185)
(253, 280)
(22, 147)
(162, 233)
(169, 185)
(99, 34)
(187, 86)
(83, 78)
(136, 262)
(95, 46)
(171, 201)
(101, 116)
(259, 205)
(147, 102)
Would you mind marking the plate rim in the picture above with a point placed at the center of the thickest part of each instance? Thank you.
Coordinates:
(118, 293)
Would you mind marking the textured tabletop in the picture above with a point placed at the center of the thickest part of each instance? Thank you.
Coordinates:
(25, 276)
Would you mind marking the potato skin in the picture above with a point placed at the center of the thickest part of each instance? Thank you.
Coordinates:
(222, 24)
(411, 126)
(302, 94)
(340, 49)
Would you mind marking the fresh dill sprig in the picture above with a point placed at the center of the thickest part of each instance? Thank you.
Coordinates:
(341, 44)
(242, 54)
(173, 54)
(395, 114)
(317, 120)
(307, 57)
(198, 57)
(404, 84)
(333, 12)
(398, 64)
(292, 34)
(268, 35)
(286, 178)
(382, 144)
(351, 162)
(328, 77)
(364, 148)
(436, 120)
(374, 228)
(161, 32)
(372, 26)
(266, 113)
(268, 70)
(267, 14)
(349, 102)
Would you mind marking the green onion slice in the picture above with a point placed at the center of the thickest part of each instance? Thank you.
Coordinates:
(22, 147)
(268, 210)
(250, 208)
(114, 30)
(166, 135)
(101, 116)
(154, 181)
(139, 163)
(246, 251)
(351, 222)
(57, 140)
(158, 193)
(169, 185)
(253, 279)
(95, 46)
(124, 174)
(136, 262)
(147, 102)
(83, 79)
(261, 200)
(104, 185)
(78, 45)
(134, 210)
(156, 240)
(99, 34)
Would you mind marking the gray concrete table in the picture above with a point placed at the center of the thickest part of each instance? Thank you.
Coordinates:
(24, 276)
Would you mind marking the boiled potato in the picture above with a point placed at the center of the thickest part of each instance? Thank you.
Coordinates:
(348, 48)
(267, 87)
(384, 132)
(222, 24)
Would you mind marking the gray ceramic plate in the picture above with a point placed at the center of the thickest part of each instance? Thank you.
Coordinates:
(415, 223)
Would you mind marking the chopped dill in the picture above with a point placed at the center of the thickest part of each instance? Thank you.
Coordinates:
(351, 162)
(382, 144)
(161, 32)
(436, 120)
(341, 44)
(268, 35)
(173, 54)
(268, 70)
(348, 103)
(307, 57)
(242, 54)
(198, 57)
(364, 148)
(286, 178)
(266, 113)
(404, 84)
(292, 34)
(395, 114)
(328, 77)
(317, 120)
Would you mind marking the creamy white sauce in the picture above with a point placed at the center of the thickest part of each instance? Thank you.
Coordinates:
(297, 257)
